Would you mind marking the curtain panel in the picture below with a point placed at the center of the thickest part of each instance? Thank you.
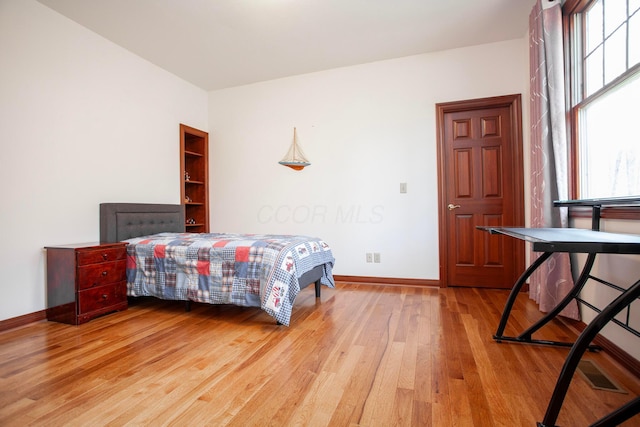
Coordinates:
(549, 151)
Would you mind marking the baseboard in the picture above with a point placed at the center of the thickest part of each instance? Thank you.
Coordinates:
(388, 281)
(619, 355)
(22, 320)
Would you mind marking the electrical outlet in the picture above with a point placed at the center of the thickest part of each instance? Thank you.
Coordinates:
(376, 257)
(369, 257)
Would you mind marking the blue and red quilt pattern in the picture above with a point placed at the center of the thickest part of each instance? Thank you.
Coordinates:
(256, 270)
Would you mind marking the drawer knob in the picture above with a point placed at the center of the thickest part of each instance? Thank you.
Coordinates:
(104, 273)
(105, 296)
(105, 256)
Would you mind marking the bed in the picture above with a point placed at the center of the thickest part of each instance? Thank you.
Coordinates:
(252, 270)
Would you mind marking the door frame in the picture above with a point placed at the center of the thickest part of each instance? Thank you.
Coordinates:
(514, 103)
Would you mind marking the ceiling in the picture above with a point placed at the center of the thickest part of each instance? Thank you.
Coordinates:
(216, 44)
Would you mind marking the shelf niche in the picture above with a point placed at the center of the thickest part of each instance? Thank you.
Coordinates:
(194, 179)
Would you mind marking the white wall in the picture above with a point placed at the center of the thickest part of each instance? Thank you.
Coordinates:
(82, 121)
(365, 130)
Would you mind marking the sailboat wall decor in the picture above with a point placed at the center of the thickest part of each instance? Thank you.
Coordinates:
(295, 158)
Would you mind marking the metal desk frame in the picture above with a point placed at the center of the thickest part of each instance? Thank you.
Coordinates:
(591, 242)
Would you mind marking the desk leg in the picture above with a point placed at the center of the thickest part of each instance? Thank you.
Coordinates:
(575, 291)
(578, 349)
(514, 294)
(620, 415)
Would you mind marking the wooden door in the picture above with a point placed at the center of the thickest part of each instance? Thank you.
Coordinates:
(481, 184)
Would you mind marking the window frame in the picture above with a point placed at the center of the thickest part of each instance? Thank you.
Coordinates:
(573, 35)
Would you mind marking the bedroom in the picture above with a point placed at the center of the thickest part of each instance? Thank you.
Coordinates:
(79, 114)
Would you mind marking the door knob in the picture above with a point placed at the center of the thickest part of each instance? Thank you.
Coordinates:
(451, 206)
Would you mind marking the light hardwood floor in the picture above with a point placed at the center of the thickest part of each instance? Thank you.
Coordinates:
(364, 355)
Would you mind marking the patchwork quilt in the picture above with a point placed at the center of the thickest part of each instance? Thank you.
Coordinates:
(255, 270)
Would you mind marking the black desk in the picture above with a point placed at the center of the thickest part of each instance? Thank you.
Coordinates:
(571, 240)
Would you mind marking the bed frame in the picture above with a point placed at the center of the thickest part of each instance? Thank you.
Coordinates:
(121, 221)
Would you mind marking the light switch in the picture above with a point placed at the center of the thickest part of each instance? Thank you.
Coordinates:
(403, 187)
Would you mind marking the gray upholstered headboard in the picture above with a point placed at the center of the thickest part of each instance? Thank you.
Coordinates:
(121, 221)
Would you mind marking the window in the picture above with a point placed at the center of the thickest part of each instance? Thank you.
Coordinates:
(604, 69)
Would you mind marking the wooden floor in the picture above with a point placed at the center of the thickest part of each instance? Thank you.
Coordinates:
(362, 356)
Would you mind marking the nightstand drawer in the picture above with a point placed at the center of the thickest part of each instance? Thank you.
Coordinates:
(94, 256)
(93, 275)
(101, 297)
